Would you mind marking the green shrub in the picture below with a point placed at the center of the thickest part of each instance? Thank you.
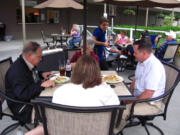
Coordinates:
(176, 17)
(178, 51)
(160, 15)
(138, 33)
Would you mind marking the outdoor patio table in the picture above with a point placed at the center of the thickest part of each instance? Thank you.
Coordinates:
(120, 88)
(60, 38)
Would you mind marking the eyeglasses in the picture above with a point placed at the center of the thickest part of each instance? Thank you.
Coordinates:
(37, 56)
(105, 24)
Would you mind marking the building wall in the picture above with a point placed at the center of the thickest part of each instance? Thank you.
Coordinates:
(66, 19)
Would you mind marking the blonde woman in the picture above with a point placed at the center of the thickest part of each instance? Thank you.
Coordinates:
(75, 32)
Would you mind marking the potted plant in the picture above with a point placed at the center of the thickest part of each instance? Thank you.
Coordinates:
(129, 12)
(161, 16)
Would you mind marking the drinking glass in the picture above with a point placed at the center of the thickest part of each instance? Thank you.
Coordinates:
(62, 68)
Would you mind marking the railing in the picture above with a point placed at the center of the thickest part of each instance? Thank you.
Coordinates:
(130, 29)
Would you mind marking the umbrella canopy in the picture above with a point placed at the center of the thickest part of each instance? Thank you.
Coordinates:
(59, 4)
(144, 3)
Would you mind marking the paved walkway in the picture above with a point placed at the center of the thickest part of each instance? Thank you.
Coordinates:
(170, 127)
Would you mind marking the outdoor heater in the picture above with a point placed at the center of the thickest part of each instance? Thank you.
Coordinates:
(112, 14)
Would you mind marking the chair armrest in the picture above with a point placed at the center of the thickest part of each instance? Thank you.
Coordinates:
(13, 100)
(127, 98)
(150, 99)
(130, 77)
(45, 98)
(127, 83)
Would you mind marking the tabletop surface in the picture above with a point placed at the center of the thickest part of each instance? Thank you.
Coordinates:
(59, 35)
(120, 88)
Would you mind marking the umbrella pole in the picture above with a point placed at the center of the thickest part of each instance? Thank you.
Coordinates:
(84, 27)
(137, 12)
(23, 21)
(147, 16)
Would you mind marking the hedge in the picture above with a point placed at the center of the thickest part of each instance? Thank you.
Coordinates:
(167, 28)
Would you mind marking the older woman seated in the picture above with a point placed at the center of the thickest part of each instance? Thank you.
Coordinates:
(86, 89)
(122, 42)
(89, 51)
(75, 32)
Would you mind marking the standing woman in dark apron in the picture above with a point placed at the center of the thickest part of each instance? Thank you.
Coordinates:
(101, 42)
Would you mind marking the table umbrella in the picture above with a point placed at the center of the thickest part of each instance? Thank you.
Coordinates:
(59, 4)
(143, 3)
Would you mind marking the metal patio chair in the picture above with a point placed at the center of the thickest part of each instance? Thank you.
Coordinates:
(169, 53)
(146, 118)
(69, 120)
(4, 66)
(48, 40)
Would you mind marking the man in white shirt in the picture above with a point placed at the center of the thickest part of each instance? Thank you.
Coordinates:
(149, 79)
(150, 75)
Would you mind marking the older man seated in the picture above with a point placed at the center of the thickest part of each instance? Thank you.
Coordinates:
(170, 39)
(89, 51)
(24, 82)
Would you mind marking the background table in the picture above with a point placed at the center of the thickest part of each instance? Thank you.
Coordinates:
(60, 38)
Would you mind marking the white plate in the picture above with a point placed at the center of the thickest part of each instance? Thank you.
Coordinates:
(54, 77)
(57, 75)
(119, 79)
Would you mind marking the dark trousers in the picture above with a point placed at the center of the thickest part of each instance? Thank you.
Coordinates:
(103, 65)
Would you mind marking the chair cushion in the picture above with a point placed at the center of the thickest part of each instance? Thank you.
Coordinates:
(120, 127)
(123, 120)
(140, 109)
(148, 108)
(7, 111)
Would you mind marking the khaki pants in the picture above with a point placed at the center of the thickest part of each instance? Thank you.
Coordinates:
(139, 109)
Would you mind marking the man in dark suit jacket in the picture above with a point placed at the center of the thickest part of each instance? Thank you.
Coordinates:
(23, 82)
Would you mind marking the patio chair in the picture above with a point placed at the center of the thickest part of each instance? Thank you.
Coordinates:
(70, 120)
(144, 117)
(4, 66)
(48, 40)
(169, 53)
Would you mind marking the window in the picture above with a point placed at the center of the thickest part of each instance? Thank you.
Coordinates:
(53, 16)
(33, 15)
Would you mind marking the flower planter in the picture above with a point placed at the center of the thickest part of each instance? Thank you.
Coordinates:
(177, 61)
(129, 12)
